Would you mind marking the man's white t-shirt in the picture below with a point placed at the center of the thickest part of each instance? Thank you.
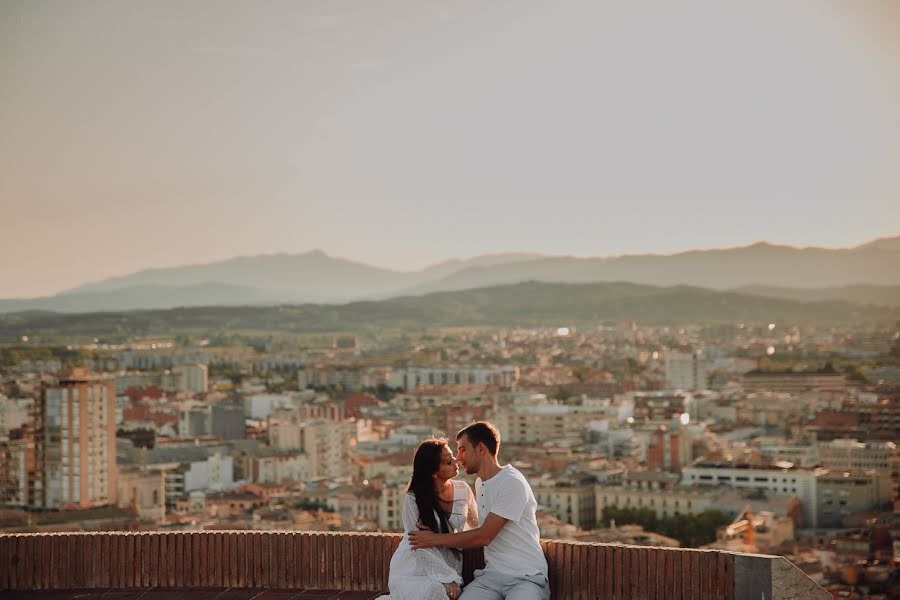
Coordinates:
(517, 549)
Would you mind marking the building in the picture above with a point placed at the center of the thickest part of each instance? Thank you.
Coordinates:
(414, 377)
(19, 471)
(68, 460)
(143, 489)
(791, 381)
(223, 421)
(778, 479)
(826, 496)
(660, 407)
(687, 370)
(536, 424)
(654, 491)
(284, 434)
(260, 406)
(215, 473)
(193, 378)
(573, 502)
(537, 420)
(390, 509)
(783, 450)
(14, 413)
(227, 421)
(841, 494)
(670, 449)
(869, 421)
(193, 422)
(327, 446)
(851, 455)
(459, 417)
(277, 466)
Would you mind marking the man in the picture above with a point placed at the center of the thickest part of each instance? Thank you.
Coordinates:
(515, 567)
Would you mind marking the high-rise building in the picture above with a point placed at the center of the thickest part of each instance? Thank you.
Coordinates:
(686, 370)
(75, 443)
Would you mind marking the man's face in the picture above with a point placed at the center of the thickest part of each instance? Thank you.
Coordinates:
(467, 456)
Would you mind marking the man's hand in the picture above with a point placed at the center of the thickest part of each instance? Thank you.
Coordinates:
(424, 538)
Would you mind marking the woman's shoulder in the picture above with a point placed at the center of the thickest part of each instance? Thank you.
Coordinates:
(461, 485)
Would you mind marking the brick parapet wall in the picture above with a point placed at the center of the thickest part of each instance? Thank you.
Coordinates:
(360, 562)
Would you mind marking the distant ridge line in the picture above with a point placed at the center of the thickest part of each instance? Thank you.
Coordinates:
(770, 269)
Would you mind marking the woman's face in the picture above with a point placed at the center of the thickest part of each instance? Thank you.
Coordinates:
(447, 469)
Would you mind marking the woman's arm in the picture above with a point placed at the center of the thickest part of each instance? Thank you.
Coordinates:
(410, 514)
(429, 561)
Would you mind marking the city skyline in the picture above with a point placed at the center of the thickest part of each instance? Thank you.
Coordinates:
(164, 137)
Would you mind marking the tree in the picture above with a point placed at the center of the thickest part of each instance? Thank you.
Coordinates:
(691, 531)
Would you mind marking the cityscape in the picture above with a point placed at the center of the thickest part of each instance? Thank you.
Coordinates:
(773, 438)
(274, 277)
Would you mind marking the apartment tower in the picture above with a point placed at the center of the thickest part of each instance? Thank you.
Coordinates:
(76, 443)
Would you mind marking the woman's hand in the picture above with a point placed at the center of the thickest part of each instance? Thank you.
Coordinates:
(453, 590)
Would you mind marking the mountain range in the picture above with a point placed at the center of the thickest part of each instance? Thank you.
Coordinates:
(866, 274)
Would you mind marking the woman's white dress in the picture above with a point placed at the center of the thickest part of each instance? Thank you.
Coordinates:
(421, 574)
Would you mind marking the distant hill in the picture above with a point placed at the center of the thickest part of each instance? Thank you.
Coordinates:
(878, 295)
(311, 277)
(147, 296)
(319, 278)
(885, 243)
(528, 304)
(759, 264)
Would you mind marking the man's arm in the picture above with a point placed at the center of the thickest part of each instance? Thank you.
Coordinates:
(474, 538)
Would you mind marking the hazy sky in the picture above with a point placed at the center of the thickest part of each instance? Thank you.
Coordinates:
(148, 134)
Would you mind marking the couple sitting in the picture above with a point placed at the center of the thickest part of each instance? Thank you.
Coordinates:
(441, 516)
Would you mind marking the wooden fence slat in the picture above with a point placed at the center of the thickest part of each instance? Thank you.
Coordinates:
(25, 557)
(236, 560)
(720, 575)
(695, 575)
(47, 569)
(362, 574)
(729, 577)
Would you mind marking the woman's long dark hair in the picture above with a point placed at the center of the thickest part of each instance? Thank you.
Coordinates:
(421, 485)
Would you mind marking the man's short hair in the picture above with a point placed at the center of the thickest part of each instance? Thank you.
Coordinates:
(482, 432)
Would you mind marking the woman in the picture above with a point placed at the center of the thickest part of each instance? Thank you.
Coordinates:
(434, 499)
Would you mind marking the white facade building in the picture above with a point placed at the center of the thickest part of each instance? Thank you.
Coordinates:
(413, 377)
(796, 482)
(215, 473)
(686, 370)
(260, 406)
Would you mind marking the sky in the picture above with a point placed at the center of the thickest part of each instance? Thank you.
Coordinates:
(160, 133)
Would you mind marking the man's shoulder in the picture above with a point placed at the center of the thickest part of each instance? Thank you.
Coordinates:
(511, 472)
(511, 478)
